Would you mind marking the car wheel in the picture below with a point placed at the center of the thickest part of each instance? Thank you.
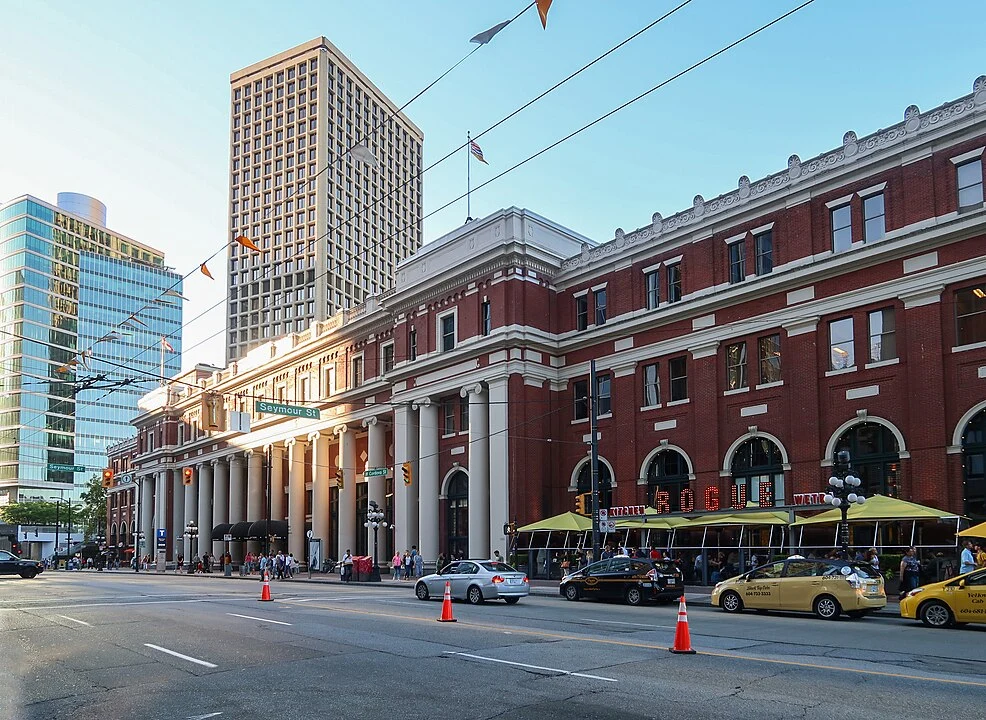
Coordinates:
(474, 595)
(421, 590)
(571, 592)
(827, 607)
(936, 614)
(511, 600)
(856, 614)
(27, 575)
(633, 596)
(731, 602)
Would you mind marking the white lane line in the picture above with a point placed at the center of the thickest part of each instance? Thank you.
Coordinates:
(179, 655)
(251, 617)
(121, 604)
(533, 667)
(81, 622)
(617, 622)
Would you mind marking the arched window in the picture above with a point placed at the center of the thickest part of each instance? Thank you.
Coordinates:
(457, 496)
(667, 476)
(758, 473)
(873, 453)
(111, 540)
(974, 467)
(584, 483)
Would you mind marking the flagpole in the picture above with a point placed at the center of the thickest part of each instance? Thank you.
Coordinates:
(468, 176)
(163, 382)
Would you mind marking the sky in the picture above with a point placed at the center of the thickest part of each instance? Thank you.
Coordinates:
(129, 102)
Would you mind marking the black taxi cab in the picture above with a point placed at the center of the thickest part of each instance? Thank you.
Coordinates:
(633, 580)
(956, 601)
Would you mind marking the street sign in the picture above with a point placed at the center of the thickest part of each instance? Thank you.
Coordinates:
(262, 406)
(375, 472)
(162, 538)
(58, 467)
(227, 538)
(126, 479)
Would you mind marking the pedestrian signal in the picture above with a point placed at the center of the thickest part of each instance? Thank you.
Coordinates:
(340, 482)
(107, 478)
(408, 475)
(187, 475)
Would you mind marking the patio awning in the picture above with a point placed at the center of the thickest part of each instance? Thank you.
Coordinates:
(976, 531)
(879, 508)
(653, 521)
(240, 530)
(569, 521)
(766, 517)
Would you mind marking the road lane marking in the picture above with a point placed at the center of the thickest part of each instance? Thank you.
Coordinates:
(617, 622)
(533, 667)
(179, 655)
(203, 717)
(123, 604)
(251, 617)
(81, 622)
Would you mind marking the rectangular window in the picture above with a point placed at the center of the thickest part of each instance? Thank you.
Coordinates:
(603, 398)
(485, 318)
(464, 414)
(303, 389)
(883, 337)
(653, 282)
(448, 332)
(764, 246)
(581, 398)
(412, 344)
(679, 378)
(448, 408)
(737, 262)
(388, 358)
(674, 282)
(599, 301)
(769, 348)
(841, 344)
(356, 374)
(841, 228)
(970, 182)
(970, 315)
(874, 218)
(652, 385)
(582, 312)
(736, 366)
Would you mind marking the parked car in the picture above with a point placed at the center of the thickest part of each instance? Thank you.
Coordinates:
(826, 587)
(10, 564)
(633, 580)
(955, 601)
(475, 581)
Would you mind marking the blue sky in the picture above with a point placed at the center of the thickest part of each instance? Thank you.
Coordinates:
(128, 102)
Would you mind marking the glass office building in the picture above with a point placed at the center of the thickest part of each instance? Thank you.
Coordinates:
(82, 314)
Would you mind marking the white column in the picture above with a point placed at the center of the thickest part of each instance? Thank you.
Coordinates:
(146, 516)
(177, 513)
(276, 483)
(347, 496)
(376, 457)
(256, 492)
(220, 501)
(296, 498)
(160, 506)
(499, 464)
(321, 525)
(237, 499)
(479, 471)
(428, 479)
(406, 496)
(190, 514)
(204, 540)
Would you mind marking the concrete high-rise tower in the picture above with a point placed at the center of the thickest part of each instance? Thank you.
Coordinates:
(295, 187)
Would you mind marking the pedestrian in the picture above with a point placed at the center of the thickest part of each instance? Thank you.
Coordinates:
(179, 563)
(497, 557)
(910, 571)
(980, 555)
(440, 563)
(873, 559)
(419, 565)
(967, 561)
(263, 565)
(196, 563)
(395, 565)
(347, 566)
(408, 562)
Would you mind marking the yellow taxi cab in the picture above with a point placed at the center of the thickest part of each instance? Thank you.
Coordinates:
(826, 587)
(959, 600)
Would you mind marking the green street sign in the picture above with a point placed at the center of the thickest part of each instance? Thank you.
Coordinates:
(375, 472)
(56, 467)
(262, 406)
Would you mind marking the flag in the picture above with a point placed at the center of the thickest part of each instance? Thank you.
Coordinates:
(543, 6)
(487, 35)
(477, 152)
(166, 345)
(205, 271)
(246, 242)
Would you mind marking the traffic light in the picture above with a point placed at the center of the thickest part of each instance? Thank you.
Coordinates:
(107, 477)
(406, 469)
(580, 503)
(187, 475)
(340, 482)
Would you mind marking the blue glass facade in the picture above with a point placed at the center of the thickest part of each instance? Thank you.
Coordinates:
(65, 284)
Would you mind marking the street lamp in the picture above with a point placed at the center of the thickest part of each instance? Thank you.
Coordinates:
(192, 533)
(842, 493)
(375, 520)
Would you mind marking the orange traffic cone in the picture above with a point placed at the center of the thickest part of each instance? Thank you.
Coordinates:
(447, 605)
(265, 593)
(682, 638)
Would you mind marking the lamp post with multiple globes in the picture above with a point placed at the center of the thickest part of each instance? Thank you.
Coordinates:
(842, 493)
(375, 519)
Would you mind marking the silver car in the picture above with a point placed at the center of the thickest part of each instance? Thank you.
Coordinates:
(475, 581)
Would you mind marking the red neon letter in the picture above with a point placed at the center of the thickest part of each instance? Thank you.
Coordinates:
(738, 496)
(712, 498)
(766, 493)
(687, 500)
(662, 501)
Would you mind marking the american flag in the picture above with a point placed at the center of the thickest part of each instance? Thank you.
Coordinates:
(166, 345)
(477, 151)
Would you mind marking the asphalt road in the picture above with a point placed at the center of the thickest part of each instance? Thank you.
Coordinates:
(104, 646)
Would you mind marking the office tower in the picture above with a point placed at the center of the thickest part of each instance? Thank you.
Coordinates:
(331, 224)
(66, 285)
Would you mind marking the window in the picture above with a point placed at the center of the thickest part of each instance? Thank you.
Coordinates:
(970, 182)
(356, 373)
(883, 339)
(737, 261)
(582, 312)
(485, 318)
(736, 366)
(667, 479)
(581, 399)
(653, 282)
(303, 389)
(388, 358)
(412, 344)
(448, 411)
(674, 282)
(447, 323)
(758, 473)
(764, 247)
(770, 359)
(652, 385)
(841, 228)
(605, 405)
(875, 457)
(970, 315)
(841, 344)
(463, 414)
(874, 220)
(599, 301)
(679, 378)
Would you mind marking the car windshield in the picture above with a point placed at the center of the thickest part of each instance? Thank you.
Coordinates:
(494, 566)
(4, 555)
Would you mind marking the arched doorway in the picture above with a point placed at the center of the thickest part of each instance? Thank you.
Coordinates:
(758, 472)
(457, 514)
(874, 457)
(667, 475)
(974, 467)
(583, 483)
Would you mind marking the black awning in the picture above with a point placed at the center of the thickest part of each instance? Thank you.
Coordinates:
(278, 529)
(219, 530)
(241, 530)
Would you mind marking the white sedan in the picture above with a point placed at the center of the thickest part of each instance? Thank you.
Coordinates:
(475, 581)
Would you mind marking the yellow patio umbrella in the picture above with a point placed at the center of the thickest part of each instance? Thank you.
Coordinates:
(976, 531)
(566, 522)
(765, 517)
(878, 508)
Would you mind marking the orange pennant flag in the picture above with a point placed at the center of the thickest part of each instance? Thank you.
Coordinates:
(543, 6)
(247, 242)
(205, 271)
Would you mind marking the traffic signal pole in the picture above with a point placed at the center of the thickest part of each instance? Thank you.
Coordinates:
(594, 458)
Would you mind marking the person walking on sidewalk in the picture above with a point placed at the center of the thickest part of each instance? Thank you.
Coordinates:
(419, 566)
(347, 566)
(395, 564)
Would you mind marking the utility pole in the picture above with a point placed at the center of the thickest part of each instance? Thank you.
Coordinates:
(267, 471)
(594, 458)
